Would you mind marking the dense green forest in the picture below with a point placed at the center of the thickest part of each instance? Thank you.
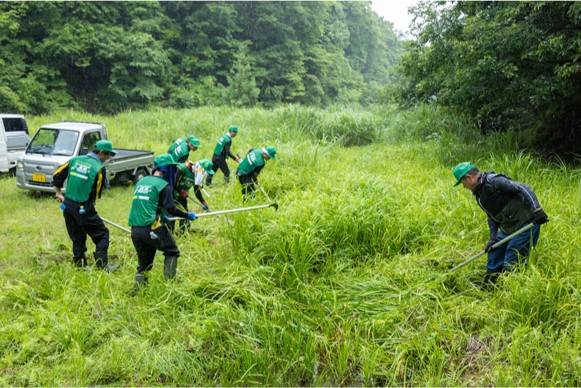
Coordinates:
(112, 56)
(507, 65)
(504, 65)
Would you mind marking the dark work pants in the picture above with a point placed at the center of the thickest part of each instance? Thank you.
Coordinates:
(146, 246)
(219, 162)
(81, 225)
(248, 186)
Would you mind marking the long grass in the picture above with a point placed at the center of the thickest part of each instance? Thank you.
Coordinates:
(346, 284)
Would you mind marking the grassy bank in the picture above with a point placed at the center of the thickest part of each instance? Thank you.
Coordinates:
(346, 284)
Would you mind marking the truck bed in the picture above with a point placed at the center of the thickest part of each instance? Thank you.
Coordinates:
(123, 167)
(123, 153)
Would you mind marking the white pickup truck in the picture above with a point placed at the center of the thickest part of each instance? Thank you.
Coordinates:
(54, 144)
(13, 140)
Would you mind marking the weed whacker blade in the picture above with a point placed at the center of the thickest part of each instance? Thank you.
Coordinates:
(274, 205)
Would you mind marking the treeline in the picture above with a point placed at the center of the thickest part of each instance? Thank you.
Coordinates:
(113, 56)
(507, 65)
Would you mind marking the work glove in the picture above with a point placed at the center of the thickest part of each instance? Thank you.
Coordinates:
(540, 217)
(191, 216)
(183, 194)
(205, 206)
(166, 220)
(489, 245)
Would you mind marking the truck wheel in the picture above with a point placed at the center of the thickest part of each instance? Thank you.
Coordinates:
(140, 173)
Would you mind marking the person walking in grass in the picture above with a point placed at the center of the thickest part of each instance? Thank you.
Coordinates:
(251, 166)
(180, 148)
(152, 199)
(180, 152)
(86, 176)
(191, 175)
(509, 205)
(221, 152)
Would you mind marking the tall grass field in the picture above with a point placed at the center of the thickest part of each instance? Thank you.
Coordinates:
(347, 284)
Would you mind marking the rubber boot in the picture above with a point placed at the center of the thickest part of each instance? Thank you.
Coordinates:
(140, 282)
(170, 265)
(102, 262)
(80, 262)
(490, 279)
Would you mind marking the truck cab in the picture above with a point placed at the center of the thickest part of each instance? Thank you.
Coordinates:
(54, 144)
(14, 139)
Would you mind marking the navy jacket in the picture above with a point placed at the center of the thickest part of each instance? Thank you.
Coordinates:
(508, 204)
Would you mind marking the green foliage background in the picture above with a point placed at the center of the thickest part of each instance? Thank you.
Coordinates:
(114, 56)
(347, 284)
(344, 285)
(507, 65)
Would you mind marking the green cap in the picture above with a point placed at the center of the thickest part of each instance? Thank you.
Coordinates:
(271, 151)
(194, 141)
(105, 145)
(207, 165)
(163, 160)
(233, 129)
(461, 169)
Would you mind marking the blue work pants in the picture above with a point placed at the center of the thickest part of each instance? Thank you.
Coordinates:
(506, 256)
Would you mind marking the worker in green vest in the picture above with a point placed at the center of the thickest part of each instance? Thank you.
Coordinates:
(251, 166)
(191, 175)
(180, 148)
(221, 152)
(86, 176)
(180, 151)
(152, 199)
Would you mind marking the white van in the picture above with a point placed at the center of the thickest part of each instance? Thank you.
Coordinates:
(14, 139)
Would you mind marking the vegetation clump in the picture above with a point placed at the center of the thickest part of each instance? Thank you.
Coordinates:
(345, 285)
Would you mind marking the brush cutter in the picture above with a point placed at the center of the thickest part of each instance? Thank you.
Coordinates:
(197, 203)
(496, 245)
(62, 207)
(217, 213)
(115, 225)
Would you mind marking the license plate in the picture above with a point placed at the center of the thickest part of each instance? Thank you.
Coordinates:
(39, 178)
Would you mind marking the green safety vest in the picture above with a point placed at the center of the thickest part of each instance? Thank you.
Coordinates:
(179, 148)
(83, 170)
(186, 180)
(145, 201)
(253, 160)
(224, 139)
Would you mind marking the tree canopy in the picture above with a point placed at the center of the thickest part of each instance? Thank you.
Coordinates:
(111, 56)
(508, 65)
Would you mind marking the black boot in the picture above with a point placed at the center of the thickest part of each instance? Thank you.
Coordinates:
(140, 282)
(170, 265)
(80, 262)
(102, 262)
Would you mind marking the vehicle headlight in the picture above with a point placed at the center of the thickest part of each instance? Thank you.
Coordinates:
(19, 166)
